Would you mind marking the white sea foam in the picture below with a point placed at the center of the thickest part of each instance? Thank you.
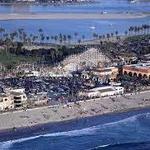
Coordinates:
(100, 146)
(127, 120)
(5, 145)
(86, 131)
(106, 145)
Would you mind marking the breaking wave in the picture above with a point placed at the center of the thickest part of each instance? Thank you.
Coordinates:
(124, 146)
(81, 132)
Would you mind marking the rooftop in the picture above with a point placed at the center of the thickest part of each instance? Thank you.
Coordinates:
(103, 89)
(145, 67)
(2, 95)
(16, 93)
(106, 90)
(140, 65)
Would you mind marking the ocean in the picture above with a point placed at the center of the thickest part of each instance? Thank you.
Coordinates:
(69, 27)
(86, 27)
(120, 131)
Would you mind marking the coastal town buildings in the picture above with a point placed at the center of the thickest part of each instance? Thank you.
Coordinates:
(19, 97)
(141, 70)
(103, 91)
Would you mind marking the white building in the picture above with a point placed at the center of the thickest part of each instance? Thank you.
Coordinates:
(19, 97)
(103, 91)
(11, 99)
(6, 102)
(32, 74)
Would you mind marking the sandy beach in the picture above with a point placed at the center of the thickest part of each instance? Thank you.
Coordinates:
(48, 114)
(51, 16)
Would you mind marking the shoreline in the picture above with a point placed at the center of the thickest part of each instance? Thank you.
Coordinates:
(37, 117)
(69, 16)
(64, 126)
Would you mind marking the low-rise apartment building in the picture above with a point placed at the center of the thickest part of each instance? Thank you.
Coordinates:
(6, 103)
(19, 97)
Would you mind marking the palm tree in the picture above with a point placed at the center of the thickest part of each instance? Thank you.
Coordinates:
(21, 34)
(103, 36)
(116, 33)
(55, 38)
(131, 28)
(95, 36)
(5, 36)
(34, 39)
(42, 37)
(108, 36)
(101, 42)
(100, 37)
(64, 38)
(135, 30)
(126, 33)
(47, 38)
(76, 35)
(40, 30)
(79, 41)
(69, 38)
(12, 37)
(83, 37)
(112, 34)
(52, 37)
(2, 30)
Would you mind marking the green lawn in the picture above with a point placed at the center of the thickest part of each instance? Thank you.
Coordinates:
(12, 59)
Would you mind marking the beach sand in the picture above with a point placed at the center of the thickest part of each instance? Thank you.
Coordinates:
(49, 114)
(13, 16)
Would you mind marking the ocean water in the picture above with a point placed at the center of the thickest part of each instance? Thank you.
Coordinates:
(117, 132)
(82, 27)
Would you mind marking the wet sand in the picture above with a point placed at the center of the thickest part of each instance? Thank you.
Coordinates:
(52, 16)
(49, 114)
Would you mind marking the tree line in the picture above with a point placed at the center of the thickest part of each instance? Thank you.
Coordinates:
(14, 42)
(21, 35)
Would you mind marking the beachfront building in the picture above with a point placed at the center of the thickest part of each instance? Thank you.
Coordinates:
(111, 72)
(103, 91)
(101, 73)
(19, 98)
(141, 70)
(6, 102)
